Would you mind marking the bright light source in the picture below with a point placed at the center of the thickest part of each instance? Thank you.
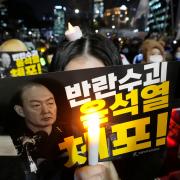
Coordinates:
(92, 120)
(64, 8)
(119, 39)
(96, 31)
(123, 8)
(4, 24)
(42, 61)
(127, 19)
(97, 11)
(76, 11)
(113, 26)
(136, 30)
(58, 7)
(20, 21)
(42, 49)
(108, 34)
(174, 42)
(147, 29)
(29, 32)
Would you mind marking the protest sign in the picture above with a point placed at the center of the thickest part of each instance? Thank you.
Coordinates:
(133, 102)
(14, 64)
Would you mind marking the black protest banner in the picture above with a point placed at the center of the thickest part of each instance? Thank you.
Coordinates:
(133, 104)
(14, 64)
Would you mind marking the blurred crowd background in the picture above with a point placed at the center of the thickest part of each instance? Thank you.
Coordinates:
(42, 24)
(144, 31)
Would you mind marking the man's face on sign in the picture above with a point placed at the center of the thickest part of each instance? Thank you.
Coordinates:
(5, 60)
(38, 107)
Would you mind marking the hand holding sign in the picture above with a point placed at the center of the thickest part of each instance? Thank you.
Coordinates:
(103, 170)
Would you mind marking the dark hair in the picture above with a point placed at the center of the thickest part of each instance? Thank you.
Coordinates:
(94, 44)
(17, 99)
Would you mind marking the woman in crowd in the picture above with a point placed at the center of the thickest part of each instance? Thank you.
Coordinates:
(95, 51)
(88, 52)
(152, 51)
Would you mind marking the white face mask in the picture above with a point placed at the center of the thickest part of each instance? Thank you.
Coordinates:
(178, 56)
(155, 58)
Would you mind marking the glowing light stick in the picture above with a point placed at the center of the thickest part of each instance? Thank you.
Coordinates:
(93, 138)
(73, 33)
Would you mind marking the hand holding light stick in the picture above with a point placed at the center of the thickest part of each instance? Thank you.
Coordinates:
(73, 33)
(93, 139)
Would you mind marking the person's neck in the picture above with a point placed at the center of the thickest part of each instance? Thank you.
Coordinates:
(47, 129)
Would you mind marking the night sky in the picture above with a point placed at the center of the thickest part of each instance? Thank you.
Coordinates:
(33, 11)
(36, 8)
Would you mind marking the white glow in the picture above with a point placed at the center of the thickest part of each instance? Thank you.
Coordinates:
(174, 42)
(113, 26)
(4, 25)
(97, 11)
(136, 30)
(123, 8)
(127, 19)
(58, 7)
(96, 31)
(76, 11)
(93, 139)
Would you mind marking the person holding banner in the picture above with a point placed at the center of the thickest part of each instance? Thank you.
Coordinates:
(95, 51)
(89, 52)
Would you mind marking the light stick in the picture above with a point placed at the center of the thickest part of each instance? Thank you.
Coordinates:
(93, 139)
(73, 33)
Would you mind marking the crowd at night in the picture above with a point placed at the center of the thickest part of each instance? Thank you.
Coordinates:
(125, 54)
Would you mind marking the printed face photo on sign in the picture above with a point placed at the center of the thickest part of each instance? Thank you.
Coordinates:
(17, 64)
(5, 60)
